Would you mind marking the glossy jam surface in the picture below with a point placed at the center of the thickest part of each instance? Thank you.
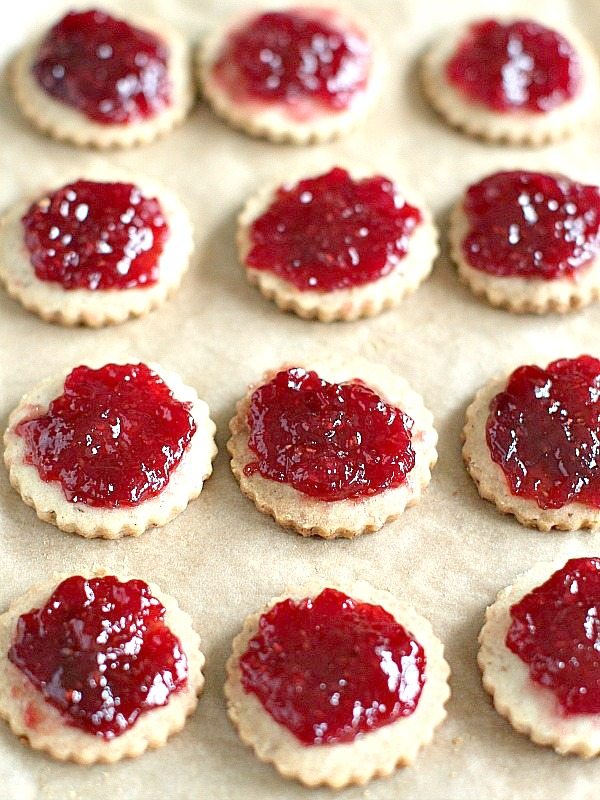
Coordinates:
(544, 432)
(515, 66)
(100, 652)
(104, 67)
(531, 225)
(90, 235)
(299, 57)
(330, 668)
(112, 438)
(331, 441)
(332, 232)
(555, 630)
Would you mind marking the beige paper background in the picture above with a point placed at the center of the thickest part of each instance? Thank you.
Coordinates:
(221, 558)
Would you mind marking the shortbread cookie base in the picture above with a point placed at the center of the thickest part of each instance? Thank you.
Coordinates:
(272, 121)
(366, 300)
(516, 127)
(492, 484)
(529, 707)
(101, 306)
(374, 754)
(20, 701)
(65, 123)
(48, 499)
(522, 295)
(310, 516)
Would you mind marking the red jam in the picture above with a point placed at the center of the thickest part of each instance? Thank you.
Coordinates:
(332, 441)
(296, 56)
(105, 68)
(112, 438)
(100, 652)
(544, 432)
(331, 668)
(531, 225)
(515, 66)
(332, 232)
(90, 235)
(555, 629)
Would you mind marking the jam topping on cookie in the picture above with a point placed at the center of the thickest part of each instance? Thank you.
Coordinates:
(331, 441)
(100, 652)
(531, 225)
(299, 57)
(109, 70)
(544, 432)
(330, 668)
(515, 66)
(91, 235)
(555, 630)
(112, 439)
(333, 232)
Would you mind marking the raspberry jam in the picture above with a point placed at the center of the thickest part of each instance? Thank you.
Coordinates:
(90, 235)
(555, 630)
(112, 438)
(515, 66)
(531, 225)
(105, 68)
(332, 232)
(543, 431)
(298, 57)
(100, 652)
(331, 668)
(332, 441)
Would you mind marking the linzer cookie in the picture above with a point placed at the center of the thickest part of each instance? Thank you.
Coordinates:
(512, 80)
(110, 452)
(332, 450)
(94, 79)
(96, 250)
(531, 444)
(309, 690)
(300, 74)
(337, 246)
(529, 241)
(95, 668)
(539, 655)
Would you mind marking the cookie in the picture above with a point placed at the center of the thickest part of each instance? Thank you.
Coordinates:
(71, 435)
(529, 444)
(95, 80)
(97, 250)
(303, 74)
(302, 740)
(85, 728)
(307, 247)
(359, 446)
(535, 666)
(512, 80)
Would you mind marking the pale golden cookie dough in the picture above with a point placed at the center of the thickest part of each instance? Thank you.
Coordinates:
(373, 754)
(20, 700)
(366, 300)
(348, 518)
(529, 707)
(49, 501)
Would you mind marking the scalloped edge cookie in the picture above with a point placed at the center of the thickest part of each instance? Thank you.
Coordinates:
(65, 123)
(366, 300)
(310, 516)
(19, 698)
(374, 754)
(518, 127)
(102, 306)
(48, 499)
(530, 708)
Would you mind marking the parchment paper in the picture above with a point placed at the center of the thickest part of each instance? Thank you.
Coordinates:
(222, 559)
